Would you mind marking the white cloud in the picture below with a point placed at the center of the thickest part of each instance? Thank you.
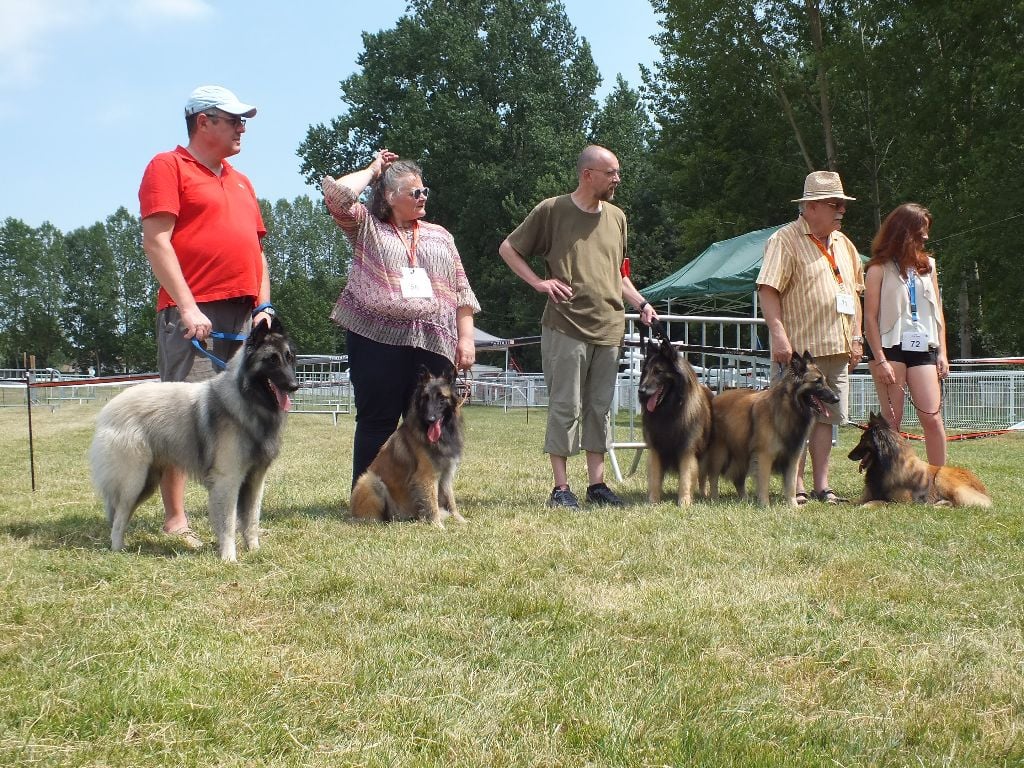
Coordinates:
(30, 29)
(147, 12)
(25, 27)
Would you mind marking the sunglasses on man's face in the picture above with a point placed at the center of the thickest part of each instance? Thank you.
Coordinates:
(237, 122)
(419, 192)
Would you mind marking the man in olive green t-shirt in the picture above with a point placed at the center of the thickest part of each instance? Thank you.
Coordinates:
(581, 238)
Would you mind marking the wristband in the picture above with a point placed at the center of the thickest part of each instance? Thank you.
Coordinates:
(858, 338)
(265, 307)
(641, 307)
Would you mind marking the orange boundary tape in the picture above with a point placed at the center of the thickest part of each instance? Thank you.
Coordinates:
(87, 382)
(949, 438)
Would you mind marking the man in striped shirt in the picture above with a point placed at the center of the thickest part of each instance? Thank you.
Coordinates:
(809, 287)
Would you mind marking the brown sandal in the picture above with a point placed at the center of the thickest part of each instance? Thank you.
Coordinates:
(828, 496)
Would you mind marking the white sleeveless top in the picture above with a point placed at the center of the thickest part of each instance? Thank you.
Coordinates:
(894, 315)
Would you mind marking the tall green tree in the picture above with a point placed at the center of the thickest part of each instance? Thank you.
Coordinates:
(909, 100)
(494, 99)
(31, 290)
(945, 84)
(734, 96)
(135, 288)
(92, 322)
(624, 125)
(308, 256)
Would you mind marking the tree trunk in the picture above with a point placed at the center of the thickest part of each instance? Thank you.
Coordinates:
(757, 38)
(965, 318)
(814, 18)
(787, 109)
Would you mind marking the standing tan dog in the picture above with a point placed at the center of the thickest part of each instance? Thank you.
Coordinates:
(769, 426)
(895, 473)
(676, 419)
(412, 476)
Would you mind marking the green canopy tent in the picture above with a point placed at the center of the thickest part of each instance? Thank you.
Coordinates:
(719, 281)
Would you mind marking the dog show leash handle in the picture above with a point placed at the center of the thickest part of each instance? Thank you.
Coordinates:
(217, 335)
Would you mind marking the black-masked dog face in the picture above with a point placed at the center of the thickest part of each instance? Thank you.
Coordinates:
(435, 402)
(878, 441)
(269, 366)
(812, 389)
(659, 376)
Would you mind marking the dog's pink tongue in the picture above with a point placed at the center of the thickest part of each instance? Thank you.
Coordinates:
(653, 400)
(284, 400)
(434, 432)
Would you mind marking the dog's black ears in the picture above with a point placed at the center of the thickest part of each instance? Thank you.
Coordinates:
(260, 330)
(799, 362)
(877, 419)
(424, 374)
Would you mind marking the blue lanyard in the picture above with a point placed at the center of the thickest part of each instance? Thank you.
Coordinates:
(218, 335)
(912, 293)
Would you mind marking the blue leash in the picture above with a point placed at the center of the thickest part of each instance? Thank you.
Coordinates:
(218, 335)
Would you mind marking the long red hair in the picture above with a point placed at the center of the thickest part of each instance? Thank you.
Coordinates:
(900, 239)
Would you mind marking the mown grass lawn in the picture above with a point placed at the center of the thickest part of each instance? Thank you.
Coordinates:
(719, 635)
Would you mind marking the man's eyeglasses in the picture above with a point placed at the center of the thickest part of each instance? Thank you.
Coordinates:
(238, 122)
(423, 192)
(834, 204)
(613, 172)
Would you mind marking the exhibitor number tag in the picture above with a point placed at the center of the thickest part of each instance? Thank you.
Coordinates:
(844, 303)
(914, 341)
(416, 283)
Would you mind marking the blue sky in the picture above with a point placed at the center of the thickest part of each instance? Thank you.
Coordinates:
(90, 90)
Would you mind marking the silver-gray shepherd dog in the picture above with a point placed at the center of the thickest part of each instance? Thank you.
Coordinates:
(225, 432)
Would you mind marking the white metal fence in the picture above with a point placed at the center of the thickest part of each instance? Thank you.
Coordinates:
(725, 351)
(324, 386)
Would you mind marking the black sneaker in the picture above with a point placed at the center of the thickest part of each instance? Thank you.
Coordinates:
(599, 493)
(563, 497)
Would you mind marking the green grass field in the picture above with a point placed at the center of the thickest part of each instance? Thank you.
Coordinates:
(719, 635)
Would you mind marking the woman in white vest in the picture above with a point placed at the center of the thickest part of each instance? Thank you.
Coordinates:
(904, 324)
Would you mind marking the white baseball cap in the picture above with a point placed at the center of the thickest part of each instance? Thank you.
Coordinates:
(217, 97)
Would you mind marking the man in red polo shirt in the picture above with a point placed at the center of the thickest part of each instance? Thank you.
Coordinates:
(202, 232)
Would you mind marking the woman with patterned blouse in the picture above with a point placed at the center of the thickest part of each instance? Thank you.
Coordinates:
(407, 302)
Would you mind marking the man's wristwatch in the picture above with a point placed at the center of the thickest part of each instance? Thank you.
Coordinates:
(266, 307)
(858, 338)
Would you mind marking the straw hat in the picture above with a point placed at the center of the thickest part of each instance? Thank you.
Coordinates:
(823, 185)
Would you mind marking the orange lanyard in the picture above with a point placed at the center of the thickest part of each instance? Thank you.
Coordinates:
(827, 253)
(410, 248)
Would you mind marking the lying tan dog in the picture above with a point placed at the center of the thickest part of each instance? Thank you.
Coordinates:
(895, 473)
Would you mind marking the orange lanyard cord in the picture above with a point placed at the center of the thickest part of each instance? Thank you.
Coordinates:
(410, 248)
(827, 253)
